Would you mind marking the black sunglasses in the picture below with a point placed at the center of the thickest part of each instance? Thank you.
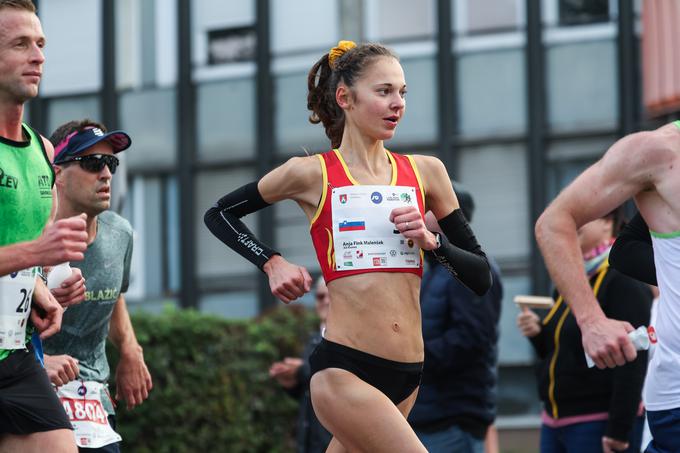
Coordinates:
(94, 163)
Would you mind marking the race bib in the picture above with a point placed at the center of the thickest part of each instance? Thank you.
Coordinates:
(363, 236)
(83, 405)
(16, 291)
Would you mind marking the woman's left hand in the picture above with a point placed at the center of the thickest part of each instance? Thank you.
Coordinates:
(411, 225)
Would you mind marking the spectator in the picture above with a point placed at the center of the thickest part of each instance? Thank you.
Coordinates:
(457, 398)
(589, 409)
(293, 374)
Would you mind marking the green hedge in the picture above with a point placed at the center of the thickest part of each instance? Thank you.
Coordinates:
(212, 391)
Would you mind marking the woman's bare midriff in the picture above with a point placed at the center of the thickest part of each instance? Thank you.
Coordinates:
(377, 313)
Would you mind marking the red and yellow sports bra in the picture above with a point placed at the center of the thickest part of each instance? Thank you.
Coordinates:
(336, 174)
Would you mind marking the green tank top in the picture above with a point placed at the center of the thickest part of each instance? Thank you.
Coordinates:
(26, 179)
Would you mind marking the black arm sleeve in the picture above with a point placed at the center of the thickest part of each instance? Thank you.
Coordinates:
(631, 301)
(632, 253)
(538, 342)
(223, 220)
(462, 255)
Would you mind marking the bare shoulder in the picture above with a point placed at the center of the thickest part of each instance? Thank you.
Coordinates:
(647, 147)
(295, 179)
(431, 168)
(643, 156)
(439, 195)
(634, 164)
(49, 149)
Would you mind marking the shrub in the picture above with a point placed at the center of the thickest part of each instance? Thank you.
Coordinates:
(212, 391)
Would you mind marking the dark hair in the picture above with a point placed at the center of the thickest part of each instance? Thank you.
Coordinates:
(465, 200)
(618, 218)
(64, 130)
(18, 4)
(323, 80)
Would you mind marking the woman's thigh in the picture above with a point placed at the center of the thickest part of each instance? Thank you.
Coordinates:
(360, 416)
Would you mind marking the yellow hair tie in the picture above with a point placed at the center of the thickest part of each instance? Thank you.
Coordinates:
(338, 51)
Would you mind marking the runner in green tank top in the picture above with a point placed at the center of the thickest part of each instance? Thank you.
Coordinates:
(26, 179)
(31, 416)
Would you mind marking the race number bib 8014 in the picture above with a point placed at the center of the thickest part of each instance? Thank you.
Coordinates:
(363, 236)
(16, 291)
(83, 405)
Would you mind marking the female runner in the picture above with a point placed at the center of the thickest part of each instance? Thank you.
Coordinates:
(367, 369)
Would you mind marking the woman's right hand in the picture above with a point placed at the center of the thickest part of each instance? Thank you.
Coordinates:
(528, 322)
(287, 281)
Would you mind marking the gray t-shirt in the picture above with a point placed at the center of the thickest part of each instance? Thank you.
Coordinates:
(85, 326)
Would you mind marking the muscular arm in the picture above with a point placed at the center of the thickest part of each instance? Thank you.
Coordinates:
(627, 168)
(133, 381)
(299, 180)
(289, 181)
(632, 253)
(121, 333)
(26, 254)
(224, 221)
(18, 256)
(460, 252)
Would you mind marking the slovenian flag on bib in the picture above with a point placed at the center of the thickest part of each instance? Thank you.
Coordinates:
(356, 225)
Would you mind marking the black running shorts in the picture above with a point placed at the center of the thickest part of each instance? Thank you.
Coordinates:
(397, 380)
(28, 402)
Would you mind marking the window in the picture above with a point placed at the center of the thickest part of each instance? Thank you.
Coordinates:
(579, 12)
(217, 15)
(304, 25)
(217, 261)
(518, 403)
(155, 253)
(489, 104)
(487, 16)
(568, 14)
(232, 305)
(146, 43)
(149, 117)
(420, 121)
(294, 132)
(388, 20)
(513, 348)
(582, 96)
(226, 119)
(63, 110)
(497, 177)
(570, 157)
(292, 236)
(72, 49)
